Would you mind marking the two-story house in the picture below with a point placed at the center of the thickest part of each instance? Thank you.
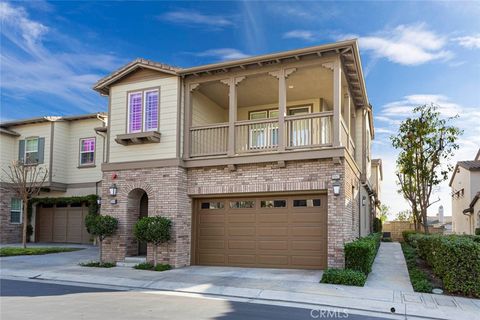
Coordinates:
(259, 162)
(465, 185)
(72, 150)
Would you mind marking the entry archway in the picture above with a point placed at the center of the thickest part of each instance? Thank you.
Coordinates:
(137, 208)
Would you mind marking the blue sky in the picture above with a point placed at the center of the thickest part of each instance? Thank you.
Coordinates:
(412, 53)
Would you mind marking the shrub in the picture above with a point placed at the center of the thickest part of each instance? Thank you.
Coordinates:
(377, 225)
(101, 227)
(152, 267)
(154, 230)
(344, 276)
(360, 254)
(97, 264)
(406, 234)
(16, 251)
(477, 231)
(418, 278)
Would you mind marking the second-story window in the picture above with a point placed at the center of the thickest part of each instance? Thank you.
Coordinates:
(143, 111)
(87, 151)
(31, 151)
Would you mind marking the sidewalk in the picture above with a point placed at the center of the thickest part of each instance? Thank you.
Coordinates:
(256, 287)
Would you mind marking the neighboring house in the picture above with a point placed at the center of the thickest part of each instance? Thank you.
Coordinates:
(71, 149)
(259, 162)
(465, 184)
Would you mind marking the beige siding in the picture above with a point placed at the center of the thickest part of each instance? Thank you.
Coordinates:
(205, 111)
(168, 122)
(469, 181)
(7, 154)
(61, 151)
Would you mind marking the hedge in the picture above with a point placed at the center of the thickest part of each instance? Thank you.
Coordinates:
(418, 278)
(360, 254)
(344, 276)
(454, 258)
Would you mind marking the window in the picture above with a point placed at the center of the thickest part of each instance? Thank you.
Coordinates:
(266, 134)
(143, 111)
(273, 203)
(87, 151)
(242, 204)
(300, 129)
(31, 150)
(306, 203)
(16, 210)
(212, 205)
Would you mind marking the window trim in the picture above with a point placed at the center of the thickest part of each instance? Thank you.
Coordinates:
(88, 165)
(143, 93)
(21, 211)
(25, 150)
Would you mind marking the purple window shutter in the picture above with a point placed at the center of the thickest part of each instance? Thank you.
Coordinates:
(151, 111)
(88, 145)
(135, 112)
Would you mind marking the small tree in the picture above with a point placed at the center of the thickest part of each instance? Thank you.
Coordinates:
(405, 215)
(26, 180)
(155, 230)
(101, 227)
(383, 216)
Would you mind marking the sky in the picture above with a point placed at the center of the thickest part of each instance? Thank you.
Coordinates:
(51, 54)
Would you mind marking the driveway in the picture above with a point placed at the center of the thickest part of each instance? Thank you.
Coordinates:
(50, 261)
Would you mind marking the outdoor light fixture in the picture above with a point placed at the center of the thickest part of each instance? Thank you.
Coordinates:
(364, 201)
(336, 188)
(99, 201)
(113, 190)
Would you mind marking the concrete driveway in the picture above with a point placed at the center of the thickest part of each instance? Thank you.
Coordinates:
(50, 261)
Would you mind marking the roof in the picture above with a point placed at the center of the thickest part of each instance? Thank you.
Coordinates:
(477, 157)
(8, 124)
(348, 51)
(472, 204)
(9, 132)
(473, 165)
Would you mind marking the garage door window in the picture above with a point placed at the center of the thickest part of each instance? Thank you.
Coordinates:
(273, 203)
(306, 203)
(242, 204)
(212, 205)
(16, 211)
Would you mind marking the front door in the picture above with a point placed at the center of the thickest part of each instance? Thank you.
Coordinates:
(142, 246)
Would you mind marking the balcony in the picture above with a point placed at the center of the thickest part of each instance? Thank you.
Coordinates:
(283, 110)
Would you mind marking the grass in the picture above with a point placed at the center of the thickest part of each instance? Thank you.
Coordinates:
(418, 278)
(151, 267)
(16, 251)
(97, 264)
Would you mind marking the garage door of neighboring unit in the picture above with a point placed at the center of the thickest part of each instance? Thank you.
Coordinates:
(62, 224)
(273, 232)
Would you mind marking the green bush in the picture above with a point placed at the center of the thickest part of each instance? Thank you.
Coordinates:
(17, 251)
(150, 266)
(344, 276)
(97, 264)
(101, 227)
(418, 278)
(477, 231)
(377, 225)
(406, 234)
(155, 230)
(360, 254)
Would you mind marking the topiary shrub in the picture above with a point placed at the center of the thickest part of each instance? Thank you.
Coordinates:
(101, 227)
(377, 225)
(360, 254)
(344, 276)
(155, 230)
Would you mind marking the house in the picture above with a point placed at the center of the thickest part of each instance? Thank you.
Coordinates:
(72, 150)
(259, 162)
(465, 185)
(376, 178)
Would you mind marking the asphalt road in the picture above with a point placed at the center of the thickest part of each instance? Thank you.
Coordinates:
(36, 300)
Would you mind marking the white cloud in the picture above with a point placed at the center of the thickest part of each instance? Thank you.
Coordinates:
(299, 34)
(29, 68)
(406, 44)
(405, 106)
(223, 54)
(469, 42)
(196, 18)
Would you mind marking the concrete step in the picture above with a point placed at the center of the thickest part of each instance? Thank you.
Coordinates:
(130, 262)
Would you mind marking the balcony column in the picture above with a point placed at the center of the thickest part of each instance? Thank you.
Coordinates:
(188, 118)
(282, 76)
(337, 101)
(232, 111)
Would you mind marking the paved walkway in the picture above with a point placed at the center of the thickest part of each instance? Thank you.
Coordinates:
(390, 270)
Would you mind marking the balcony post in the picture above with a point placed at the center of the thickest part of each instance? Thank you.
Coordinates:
(188, 118)
(337, 98)
(232, 111)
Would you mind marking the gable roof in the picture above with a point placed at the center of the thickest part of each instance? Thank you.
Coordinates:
(473, 165)
(8, 124)
(103, 85)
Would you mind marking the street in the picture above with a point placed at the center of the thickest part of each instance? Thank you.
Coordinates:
(27, 300)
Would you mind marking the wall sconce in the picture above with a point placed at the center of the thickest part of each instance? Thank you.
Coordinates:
(364, 201)
(99, 201)
(113, 190)
(113, 201)
(336, 188)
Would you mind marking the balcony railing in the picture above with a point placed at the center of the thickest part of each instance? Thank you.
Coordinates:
(301, 131)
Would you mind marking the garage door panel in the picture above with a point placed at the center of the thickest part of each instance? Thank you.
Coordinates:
(308, 261)
(313, 217)
(273, 245)
(212, 218)
(273, 260)
(60, 225)
(74, 225)
(212, 244)
(211, 259)
(241, 259)
(272, 231)
(317, 245)
(212, 231)
(273, 217)
(241, 244)
(241, 218)
(45, 224)
(309, 231)
(241, 231)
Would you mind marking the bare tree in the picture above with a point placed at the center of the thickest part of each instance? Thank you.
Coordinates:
(26, 180)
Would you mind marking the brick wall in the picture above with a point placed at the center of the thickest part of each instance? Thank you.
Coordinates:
(9, 232)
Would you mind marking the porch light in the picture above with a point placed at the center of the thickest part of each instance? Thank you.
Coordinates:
(336, 188)
(364, 201)
(99, 201)
(113, 190)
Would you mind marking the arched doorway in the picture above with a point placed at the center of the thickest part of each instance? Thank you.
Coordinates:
(137, 208)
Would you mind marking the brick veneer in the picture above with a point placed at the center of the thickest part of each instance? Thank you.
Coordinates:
(9, 232)
(170, 191)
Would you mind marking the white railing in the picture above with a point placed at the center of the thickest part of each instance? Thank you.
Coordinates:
(256, 135)
(309, 130)
(209, 140)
